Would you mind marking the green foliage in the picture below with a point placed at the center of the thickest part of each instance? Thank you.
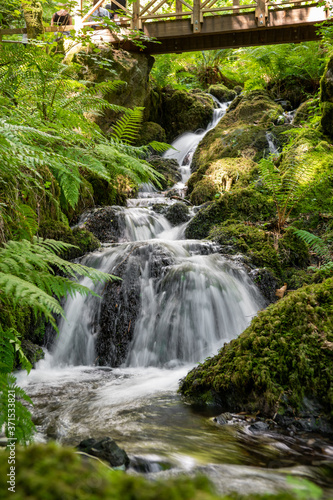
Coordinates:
(53, 472)
(288, 184)
(126, 128)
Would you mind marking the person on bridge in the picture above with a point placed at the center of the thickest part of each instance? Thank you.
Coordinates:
(100, 12)
(114, 9)
(62, 18)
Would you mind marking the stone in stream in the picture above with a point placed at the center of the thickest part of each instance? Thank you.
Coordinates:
(105, 449)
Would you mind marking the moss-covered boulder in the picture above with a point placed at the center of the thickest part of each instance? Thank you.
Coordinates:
(169, 168)
(305, 111)
(150, 131)
(177, 213)
(220, 176)
(83, 239)
(241, 132)
(282, 363)
(184, 111)
(33, 352)
(246, 204)
(326, 98)
(222, 93)
(115, 64)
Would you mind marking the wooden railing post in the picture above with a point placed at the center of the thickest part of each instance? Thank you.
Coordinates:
(235, 3)
(197, 17)
(136, 23)
(261, 13)
(179, 7)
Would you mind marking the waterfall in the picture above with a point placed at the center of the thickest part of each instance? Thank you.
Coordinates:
(180, 299)
(273, 150)
(185, 145)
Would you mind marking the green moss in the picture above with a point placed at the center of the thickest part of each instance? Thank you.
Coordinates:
(246, 204)
(220, 176)
(149, 132)
(306, 111)
(260, 247)
(55, 473)
(52, 472)
(281, 358)
(83, 239)
(241, 132)
(168, 167)
(183, 111)
(222, 93)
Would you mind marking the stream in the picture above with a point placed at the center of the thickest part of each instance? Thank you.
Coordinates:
(192, 301)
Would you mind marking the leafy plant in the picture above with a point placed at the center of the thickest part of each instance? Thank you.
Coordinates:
(319, 247)
(288, 184)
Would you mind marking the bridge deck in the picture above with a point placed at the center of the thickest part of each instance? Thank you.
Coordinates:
(204, 26)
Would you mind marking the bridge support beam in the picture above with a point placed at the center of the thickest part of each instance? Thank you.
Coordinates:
(197, 17)
(261, 13)
(136, 23)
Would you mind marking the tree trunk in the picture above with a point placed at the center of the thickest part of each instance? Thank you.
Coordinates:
(33, 13)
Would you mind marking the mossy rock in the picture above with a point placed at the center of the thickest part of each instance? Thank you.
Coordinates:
(53, 472)
(183, 111)
(242, 132)
(80, 237)
(246, 204)
(304, 112)
(177, 213)
(168, 167)
(292, 88)
(32, 351)
(282, 359)
(260, 247)
(219, 177)
(150, 132)
(222, 93)
(107, 194)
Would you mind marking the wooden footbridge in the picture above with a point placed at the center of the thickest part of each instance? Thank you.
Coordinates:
(190, 25)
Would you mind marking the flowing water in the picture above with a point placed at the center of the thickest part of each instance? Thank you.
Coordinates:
(191, 301)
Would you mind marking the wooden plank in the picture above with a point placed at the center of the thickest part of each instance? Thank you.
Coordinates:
(235, 22)
(136, 22)
(260, 36)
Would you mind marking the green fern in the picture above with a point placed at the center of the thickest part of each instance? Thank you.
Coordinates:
(288, 184)
(319, 247)
(127, 127)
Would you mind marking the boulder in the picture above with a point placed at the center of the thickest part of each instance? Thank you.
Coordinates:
(150, 131)
(167, 167)
(279, 366)
(115, 64)
(241, 133)
(177, 213)
(105, 449)
(222, 93)
(184, 111)
(105, 223)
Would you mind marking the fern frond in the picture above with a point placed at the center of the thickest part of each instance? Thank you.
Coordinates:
(316, 244)
(127, 127)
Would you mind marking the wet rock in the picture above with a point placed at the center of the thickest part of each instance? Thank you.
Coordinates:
(266, 282)
(183, 111)
(278, 359)
(121, 302)
(105, 449)
(177, 214)
(32, 351)
(167, 167)
(222, 419)
(259, 426)
(106, 223)
(222, 93)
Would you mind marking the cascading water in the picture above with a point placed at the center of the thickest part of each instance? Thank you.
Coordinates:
(177, 303)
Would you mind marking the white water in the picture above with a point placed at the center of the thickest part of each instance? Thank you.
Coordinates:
(185, 145)
(198, 301)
